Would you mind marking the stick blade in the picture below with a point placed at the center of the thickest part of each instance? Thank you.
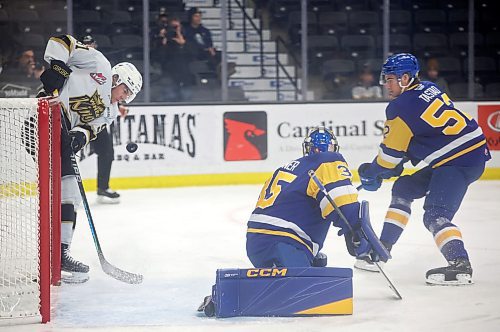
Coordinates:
(389, 281)
(121, 275)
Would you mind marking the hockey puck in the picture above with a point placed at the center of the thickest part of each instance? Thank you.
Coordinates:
(132, 147)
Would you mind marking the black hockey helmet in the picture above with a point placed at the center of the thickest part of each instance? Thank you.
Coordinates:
(88, 40)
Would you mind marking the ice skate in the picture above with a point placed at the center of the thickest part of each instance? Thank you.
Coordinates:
(457, 273)
(207, 306)
(72, 271)
(107, 196)
(364, 265)
(368, 265)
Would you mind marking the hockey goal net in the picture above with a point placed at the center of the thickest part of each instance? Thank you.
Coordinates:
(29, 208)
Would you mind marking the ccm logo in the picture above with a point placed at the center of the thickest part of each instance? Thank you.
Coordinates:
(251, 273)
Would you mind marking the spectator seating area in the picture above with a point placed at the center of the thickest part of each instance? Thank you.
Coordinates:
(118, 34)
(344, 36)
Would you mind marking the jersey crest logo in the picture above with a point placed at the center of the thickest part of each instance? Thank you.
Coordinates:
(88, 108)
(99, 78)
(238, 145)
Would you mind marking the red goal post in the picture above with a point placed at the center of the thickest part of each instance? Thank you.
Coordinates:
(30, 202)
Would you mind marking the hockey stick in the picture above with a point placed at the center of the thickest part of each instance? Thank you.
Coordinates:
(109, 269)
(320, 185)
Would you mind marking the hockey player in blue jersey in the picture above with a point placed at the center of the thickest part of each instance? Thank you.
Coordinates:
(286, 232)
(292, 216)
(423, 125)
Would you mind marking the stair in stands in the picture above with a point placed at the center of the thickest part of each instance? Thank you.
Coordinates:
(262, 84)
(242, 58)
(256, 85)
(238, 35)
(251, 46)
(266, 95)
(250, 71)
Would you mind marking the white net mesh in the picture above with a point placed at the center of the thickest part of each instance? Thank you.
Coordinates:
(19, 209)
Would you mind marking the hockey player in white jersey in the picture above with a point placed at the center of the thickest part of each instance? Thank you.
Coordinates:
(89, 91)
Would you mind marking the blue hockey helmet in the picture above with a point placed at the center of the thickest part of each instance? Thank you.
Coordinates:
(399, 64)
(319, 139)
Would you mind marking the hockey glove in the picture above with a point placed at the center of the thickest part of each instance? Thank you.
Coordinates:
(320, 260)
(396, 171)
(358, 246)
(78, 140)
(368, 182)
(54, 77)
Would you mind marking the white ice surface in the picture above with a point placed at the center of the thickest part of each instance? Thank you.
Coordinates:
(178, 238)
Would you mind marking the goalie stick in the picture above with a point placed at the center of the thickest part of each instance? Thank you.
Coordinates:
(320, 185)
(108, 268)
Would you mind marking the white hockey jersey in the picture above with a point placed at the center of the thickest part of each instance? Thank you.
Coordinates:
(86, 94)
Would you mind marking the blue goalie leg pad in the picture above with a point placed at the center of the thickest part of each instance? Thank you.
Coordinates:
(309, 291)
(381, 251)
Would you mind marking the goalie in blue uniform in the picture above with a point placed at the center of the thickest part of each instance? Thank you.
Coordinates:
(423, 125)
(285, 234)
(292, 216)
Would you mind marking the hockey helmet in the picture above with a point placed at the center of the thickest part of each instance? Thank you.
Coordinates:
(130, 76)
(319, 139)
(88, 40)
(400, 64)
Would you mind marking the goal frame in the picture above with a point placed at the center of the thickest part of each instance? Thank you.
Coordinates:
(49, 165)
(40, 140)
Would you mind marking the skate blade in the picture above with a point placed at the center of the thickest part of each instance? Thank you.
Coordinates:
(365, 266)
(107, 200)
(74, 277)
(438, 280)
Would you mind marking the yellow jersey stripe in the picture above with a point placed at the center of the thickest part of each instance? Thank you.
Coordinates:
(385, 163)
(453, 145)
(279, 233)
(461, 153)
(328, 173)
(340, 201)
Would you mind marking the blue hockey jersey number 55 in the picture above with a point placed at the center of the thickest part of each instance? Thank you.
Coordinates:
(272, 189)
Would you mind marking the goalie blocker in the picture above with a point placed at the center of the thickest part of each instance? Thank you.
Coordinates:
(280, 291)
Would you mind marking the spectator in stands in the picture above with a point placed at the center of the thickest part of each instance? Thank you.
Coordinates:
(103, 147)
(366, 88)
(158, 32)
(432, 74)
(200, 45)
(169, 45)
(24, 65)
(20, 77)
(199, 39)
(338, 86)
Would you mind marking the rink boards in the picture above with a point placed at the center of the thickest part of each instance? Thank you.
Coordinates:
(238, 144)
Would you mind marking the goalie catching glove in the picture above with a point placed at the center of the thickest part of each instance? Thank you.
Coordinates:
(362, 242)
(54, 77)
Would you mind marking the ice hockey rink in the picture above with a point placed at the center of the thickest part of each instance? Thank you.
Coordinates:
(178, 237)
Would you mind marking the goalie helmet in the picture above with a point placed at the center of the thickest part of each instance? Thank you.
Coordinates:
(130, 76)
(319, 139)
(400, 64)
